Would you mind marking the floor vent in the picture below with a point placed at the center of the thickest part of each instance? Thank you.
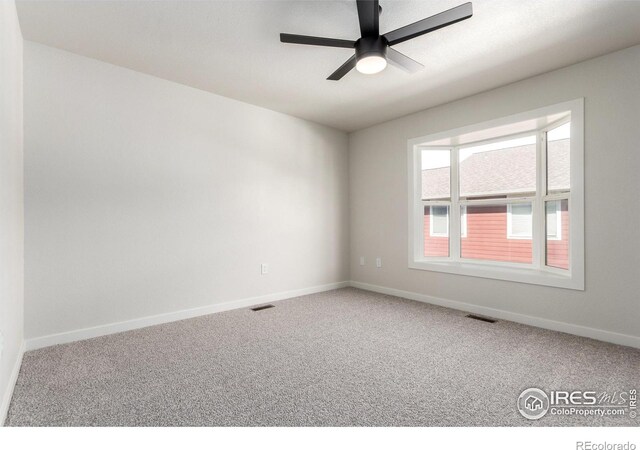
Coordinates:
(260, 308)
(484, 319)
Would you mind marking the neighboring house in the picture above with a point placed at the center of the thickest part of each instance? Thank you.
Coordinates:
(499, 232)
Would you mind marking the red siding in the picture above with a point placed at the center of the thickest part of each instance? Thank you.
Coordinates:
(487, 236)
(434, 246)
(487, 239)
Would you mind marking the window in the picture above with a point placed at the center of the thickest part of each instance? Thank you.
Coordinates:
(439, 221)
(439, 216)
(554, 220)
(519, 221)
(503, 199)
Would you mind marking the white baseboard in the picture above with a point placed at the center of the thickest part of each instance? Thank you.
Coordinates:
(8, 393)
(111, 328)
(579, 330)
(102, 330)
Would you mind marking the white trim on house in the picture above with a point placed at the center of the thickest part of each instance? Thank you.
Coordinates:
(510, 234)
(142, 322)
(431, 215)
(556, 237)
(463, 221)
(537, 272)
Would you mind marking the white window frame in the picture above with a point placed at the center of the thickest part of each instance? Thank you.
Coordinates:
(510, 234)
(537, 272)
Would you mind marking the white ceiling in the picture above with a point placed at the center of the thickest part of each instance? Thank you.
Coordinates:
(232, 48)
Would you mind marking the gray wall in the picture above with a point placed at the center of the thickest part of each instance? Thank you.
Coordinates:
(611, 301)
(11, 200)
(144, 196)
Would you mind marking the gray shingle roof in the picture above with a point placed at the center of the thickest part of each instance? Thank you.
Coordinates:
(499, 172)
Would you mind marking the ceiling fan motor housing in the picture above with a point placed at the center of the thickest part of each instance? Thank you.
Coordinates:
(371, 46)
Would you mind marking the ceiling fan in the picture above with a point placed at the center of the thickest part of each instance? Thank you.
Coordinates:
(373, 49)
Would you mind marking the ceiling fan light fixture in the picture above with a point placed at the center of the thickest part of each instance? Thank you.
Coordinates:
(373, 49)
(371, 54)
(371, 64)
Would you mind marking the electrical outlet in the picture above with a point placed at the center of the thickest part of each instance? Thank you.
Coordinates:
(264, 269)
(362, 260)
(378, 262)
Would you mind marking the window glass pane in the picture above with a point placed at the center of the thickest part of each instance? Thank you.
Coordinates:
(436, 231)
(519, 221)
(557, 225)
(487, 235)
(436, 174)
(558, 160)
(499, 169)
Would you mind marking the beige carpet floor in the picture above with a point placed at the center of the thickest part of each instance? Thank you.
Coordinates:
(344, 357)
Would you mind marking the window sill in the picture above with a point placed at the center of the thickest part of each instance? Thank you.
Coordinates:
(502, 271)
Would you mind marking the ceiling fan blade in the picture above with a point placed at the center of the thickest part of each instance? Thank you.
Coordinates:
(403, 61)
(314, 40)
(369, 17)
(343, 69)
(429, 24)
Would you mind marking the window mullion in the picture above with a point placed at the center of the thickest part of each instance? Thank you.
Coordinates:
(558, 196)
(539, 216)
(454, 213)
(418, 207)
(498, 201)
